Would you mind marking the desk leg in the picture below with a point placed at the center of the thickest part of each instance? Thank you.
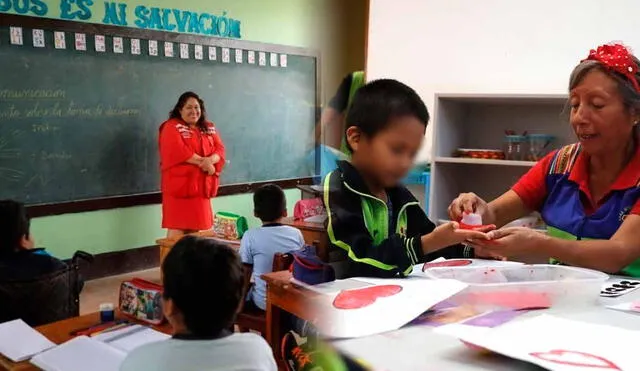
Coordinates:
(274, 331)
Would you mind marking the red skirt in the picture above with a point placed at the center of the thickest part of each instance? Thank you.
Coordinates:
(186, 213)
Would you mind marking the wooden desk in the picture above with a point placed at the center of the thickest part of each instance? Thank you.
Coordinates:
(283, 296)
(60, 332)
(310, 191)
(166, 244)
(311, 232)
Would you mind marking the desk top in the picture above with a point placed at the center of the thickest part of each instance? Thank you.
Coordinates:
(409, 347)
(292, 298)
(170, 241)
(304, 225)
(60, 332)
(283, 279)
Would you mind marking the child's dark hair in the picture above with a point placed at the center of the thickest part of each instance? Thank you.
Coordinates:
(14, 225)
(269, 203)
(378, 102)
(204, 278)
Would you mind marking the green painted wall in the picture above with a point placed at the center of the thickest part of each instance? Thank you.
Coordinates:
(121, 229)
(317, 24)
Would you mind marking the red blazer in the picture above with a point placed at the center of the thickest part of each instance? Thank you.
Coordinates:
(178, 143)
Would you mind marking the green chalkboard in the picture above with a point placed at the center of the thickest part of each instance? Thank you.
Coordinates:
(77, 125)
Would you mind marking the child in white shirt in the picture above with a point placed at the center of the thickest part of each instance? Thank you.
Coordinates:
(203, 286)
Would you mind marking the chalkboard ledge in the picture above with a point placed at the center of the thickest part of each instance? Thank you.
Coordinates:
(118, 202)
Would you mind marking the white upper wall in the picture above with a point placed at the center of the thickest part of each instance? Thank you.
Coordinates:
(491, 46)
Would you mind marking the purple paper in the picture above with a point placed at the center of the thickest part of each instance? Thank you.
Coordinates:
(443, 305)
(493, 319)
(445, 316)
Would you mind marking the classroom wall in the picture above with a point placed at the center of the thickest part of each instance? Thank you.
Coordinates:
(331, 26)
(491, 46)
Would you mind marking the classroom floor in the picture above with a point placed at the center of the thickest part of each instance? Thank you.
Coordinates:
(105, 290)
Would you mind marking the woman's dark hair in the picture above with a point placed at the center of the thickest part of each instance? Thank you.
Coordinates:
(378, 102)
(182, 101)
(269, 203)
(205, 281)
(14, 225)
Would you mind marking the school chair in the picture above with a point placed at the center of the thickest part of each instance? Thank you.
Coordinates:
(248, 319)
(46, 299)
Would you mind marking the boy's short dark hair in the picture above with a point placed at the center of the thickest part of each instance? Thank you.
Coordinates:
(378, 102)
(269, 203)
(204, 278)
(14, 225)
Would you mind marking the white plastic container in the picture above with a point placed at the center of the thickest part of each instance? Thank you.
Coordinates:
(503, 286)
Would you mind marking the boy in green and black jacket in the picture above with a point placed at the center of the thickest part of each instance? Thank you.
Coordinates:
(372, 217)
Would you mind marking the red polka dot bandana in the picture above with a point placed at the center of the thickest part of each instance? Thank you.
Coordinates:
(616, 57)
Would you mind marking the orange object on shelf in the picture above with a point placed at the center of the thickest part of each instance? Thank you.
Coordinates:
(487, 154)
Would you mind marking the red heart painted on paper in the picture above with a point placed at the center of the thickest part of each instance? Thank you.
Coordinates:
(574, 358)
(447, 263)
(360, 298)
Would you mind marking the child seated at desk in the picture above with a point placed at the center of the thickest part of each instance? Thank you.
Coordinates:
(19, 259)
(370, 214)
(203, 286)
(259, 245)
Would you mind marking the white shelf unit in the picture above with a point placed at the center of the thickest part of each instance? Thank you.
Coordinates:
(480, 122)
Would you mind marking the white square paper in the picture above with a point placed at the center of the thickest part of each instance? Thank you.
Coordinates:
(184, 51)
(168, 49)
(251, 57)
(197, 52)
(213, 55)
(225, 55)
(118, 45)
(135, 46)
(274, 59)
(81, 41)
(19, 341)
(283, 60)
(16, 36)
(101, 45)
(59, 40)
(238, 55)
(153, 48)
(262, 59)
(38, 38)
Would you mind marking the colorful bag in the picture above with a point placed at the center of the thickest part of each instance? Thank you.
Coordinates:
(307, 208)
(141, 300)
(230, 226)
(308, 268)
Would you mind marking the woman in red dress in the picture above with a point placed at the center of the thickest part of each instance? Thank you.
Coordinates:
(191, 159)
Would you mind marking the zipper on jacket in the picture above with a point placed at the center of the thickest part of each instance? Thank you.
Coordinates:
(384, 204)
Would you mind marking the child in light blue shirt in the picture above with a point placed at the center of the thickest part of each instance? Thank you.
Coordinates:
(259, 245)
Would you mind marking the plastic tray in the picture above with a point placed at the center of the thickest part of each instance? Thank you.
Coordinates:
(522, 286)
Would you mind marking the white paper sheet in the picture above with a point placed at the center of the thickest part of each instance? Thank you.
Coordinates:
(555, 343)
(129, 338)
(19, 341)
(416, 295)
(80, 354)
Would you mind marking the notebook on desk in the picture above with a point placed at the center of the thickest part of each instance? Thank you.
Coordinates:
(19, 341)
(80, 354)
(129, 338)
